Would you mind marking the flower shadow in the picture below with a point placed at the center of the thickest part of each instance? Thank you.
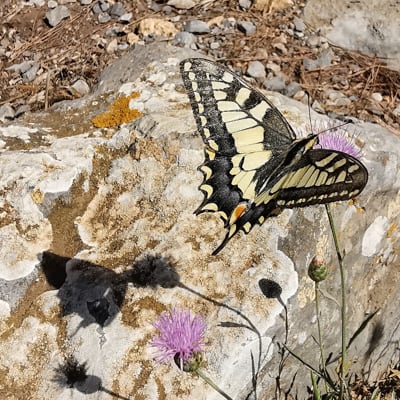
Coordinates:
(72, 374)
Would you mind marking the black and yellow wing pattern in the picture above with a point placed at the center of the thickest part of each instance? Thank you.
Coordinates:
(254, 166)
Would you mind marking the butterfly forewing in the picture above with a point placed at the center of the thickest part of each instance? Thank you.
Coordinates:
(254, 166)
(243, 133)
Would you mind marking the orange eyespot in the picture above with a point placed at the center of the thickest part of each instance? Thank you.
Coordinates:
(238, 212)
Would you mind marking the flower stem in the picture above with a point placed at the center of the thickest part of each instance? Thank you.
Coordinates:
(343, 305)
(202, 375)
(321, 344)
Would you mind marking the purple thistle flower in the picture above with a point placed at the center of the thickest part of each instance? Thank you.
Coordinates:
(336, 139)
(180, 336)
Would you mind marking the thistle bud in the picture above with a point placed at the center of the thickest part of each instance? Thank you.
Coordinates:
(192, 364)
(317, 270)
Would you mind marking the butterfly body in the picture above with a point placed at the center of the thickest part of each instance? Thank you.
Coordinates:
(254, 165)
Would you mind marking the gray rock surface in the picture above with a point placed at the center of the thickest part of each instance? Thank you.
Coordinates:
(98, 237)
(371, 27)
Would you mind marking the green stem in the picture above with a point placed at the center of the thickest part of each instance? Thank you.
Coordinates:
(202, 375)
(321, 344)
(343, 305)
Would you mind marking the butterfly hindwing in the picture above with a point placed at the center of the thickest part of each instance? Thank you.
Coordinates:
(254, 166)
(320, 176)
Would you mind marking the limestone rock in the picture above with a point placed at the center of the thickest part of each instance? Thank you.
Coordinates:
(98, 237)
(365, 26)
(155, 26)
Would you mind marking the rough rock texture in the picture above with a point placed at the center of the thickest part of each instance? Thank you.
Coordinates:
(366, 26)
(98, 237)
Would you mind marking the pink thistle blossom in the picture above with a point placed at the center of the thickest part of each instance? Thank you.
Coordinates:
(180, 336)
(337, 139)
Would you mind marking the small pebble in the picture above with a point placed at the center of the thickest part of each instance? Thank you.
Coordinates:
(184, 39)
(313, 41)
(325, 58)
(22, 109)
(214, 45)
(112, 46)
(103, 17)
(123, 46)
(376, 111)
(96, 9)
(396, 112)
(104, 5)
(157, 79)
(248, 28)
(167, 9)
(244, 4)
(56, 15)
(342, 102)
(126, 18)
(281, 47)
(273, 67)
(299, 96)
(376, 96)
(197, 26)
(299, 24)
(6, 112)
(85, 2)
(182, 4)
(114, 31)
(292, 88)
(52, 4)
(275, 84)
(317, 107)
(21, 68)
(132, 38)
(81, 87)
(117, 10)
(30, 75)
(309, 64)
(256, 70)
(229, 23)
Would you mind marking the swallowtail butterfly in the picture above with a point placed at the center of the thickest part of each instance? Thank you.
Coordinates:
(254, 165)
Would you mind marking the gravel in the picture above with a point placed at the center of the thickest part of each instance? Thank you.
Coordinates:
(91, 33)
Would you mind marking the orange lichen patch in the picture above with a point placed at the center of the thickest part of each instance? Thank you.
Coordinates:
(391, 230)
(118, 113)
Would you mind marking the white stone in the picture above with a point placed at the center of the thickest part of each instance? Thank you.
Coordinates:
(374, 235)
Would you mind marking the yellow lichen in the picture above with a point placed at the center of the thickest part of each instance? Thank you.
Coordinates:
(37, 196)
(118, 113)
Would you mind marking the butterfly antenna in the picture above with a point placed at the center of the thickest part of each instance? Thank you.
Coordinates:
(309, 110)
(309, 117)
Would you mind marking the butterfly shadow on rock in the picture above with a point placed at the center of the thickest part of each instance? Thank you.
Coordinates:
(96, 293)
